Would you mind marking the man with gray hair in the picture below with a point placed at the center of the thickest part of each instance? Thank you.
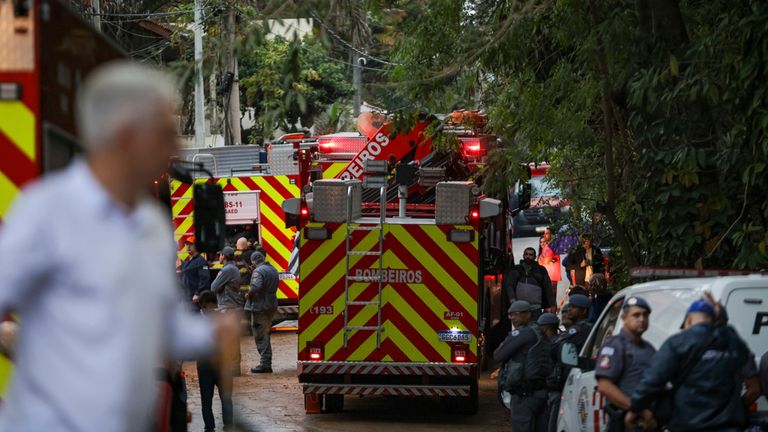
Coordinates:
(90, 341)
(262, 302)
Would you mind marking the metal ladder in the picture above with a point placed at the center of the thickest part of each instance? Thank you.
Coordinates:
(348, 279)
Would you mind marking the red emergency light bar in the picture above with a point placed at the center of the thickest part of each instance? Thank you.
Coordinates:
(348, 145)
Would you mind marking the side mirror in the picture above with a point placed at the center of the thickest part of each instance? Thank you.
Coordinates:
(210, 219)
(569, 356)
(489, 207)
(525, 196)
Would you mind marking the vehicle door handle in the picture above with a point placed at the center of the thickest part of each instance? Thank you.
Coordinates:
(754, 301)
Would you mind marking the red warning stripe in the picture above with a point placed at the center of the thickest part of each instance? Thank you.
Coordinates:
(15, 164)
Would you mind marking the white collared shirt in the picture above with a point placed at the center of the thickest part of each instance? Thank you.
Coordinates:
(99, 303)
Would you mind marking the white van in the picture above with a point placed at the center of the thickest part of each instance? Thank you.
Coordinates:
(745, 298)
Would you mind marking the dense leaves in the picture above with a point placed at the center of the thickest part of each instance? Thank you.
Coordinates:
(659, 124)
(289, 84)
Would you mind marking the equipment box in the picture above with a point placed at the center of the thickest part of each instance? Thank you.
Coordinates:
(330, 199)
(453, 200)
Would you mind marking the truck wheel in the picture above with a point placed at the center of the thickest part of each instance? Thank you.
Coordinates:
(334, 403)
(468, 405)
(465, 405)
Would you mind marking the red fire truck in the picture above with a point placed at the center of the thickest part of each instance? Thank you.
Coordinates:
(255, 184)
(45, 52)
(400, 259)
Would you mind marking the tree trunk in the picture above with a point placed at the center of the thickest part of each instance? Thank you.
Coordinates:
(608, 124)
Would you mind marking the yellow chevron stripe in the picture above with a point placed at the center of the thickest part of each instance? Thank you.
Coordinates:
(310, 263)
(184, 226)
(293, 285)
(8, 192)
(430, 299)
(427, 261)
(179, 205)
(291, 188)
(337, 271)
(421, 326)
(268, 238)
(457, 256)
(334, 170)
(19, 126)
(435, 305)
(337, 341)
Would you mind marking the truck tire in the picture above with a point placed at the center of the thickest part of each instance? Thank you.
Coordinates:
(334, 403)
(464, 405)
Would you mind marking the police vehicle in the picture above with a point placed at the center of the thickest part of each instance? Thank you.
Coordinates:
(745, 298)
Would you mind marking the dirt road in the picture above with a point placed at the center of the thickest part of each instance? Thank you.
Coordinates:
(274, 402)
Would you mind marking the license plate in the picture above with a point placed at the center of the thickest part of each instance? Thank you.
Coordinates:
(454, 336)
(541, 229)
(287, 276)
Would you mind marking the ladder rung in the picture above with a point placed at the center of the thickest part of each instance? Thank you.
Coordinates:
(364, 279)
(363, 328)
(365, 228)
(367, 253)
(362, 303)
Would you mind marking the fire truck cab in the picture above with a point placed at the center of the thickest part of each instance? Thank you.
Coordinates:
(400, 259)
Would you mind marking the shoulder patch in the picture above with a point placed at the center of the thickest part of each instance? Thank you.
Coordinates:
(607, 351)
(605, 362)
(572, 330)
(515, 332)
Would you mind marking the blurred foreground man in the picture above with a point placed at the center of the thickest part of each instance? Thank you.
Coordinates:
(98, 317)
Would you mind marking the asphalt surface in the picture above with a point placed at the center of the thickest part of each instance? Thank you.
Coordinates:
(274, 402)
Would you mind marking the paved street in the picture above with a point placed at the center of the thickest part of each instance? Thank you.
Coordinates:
(275, 403)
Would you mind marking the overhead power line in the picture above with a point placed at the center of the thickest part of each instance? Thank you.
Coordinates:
(349, 45)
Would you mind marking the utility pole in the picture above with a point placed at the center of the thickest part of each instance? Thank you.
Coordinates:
(96, 6)
(357, 82)
(233, 97)
(199, 86)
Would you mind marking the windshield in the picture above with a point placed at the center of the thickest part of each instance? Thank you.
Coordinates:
(541, 187)
(668, 307)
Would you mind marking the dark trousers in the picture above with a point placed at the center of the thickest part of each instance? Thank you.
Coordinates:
(209, 378)
(528, 412)
(552, 410)
(261, 325)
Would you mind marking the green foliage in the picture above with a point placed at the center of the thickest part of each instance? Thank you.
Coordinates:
(683, 109)
(290, 83)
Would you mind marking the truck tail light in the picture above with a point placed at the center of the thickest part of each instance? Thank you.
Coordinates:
(316, 351)
(459, 353)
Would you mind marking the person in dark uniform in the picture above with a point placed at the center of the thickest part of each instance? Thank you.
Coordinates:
(704, 363)
(622, 361)
(526, 409)
(578, 311)
(195, 275)
(550, 326)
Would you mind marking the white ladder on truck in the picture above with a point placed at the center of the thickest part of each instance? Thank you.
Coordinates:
(379, 278)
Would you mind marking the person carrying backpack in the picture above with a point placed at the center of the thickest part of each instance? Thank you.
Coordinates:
(527, 361)
(530, 282)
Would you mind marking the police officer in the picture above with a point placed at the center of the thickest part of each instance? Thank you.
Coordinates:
(527, 408)
(550, 326)
(703, 364)
(623, 359)
(578, 311)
